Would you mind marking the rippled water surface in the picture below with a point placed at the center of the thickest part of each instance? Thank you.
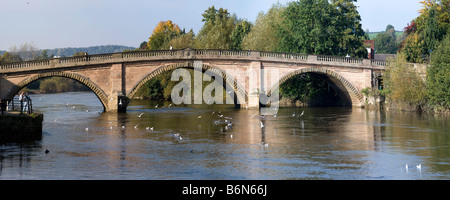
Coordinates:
(190, 142)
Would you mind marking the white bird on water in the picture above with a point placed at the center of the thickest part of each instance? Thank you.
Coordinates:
(149, 129)
(177, 137)
(140, 115)
(303, 112)
(262, 125)
(293, 114)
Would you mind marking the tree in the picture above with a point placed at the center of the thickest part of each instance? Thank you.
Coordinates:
(386, 42)
(438, 74)
(143, 45)
(217, 29)
(347, 22)
(425, 31)
(238, 34)
(321, 27)
(162, 34)
(10, 57)
(263, 35)
(185, 40)
(403, 84)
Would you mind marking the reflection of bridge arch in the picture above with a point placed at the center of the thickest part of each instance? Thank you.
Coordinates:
(346, 91)
(85, 81)
(238, 89)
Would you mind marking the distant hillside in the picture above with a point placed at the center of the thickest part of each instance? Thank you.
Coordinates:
(372, 35)
(65, 52)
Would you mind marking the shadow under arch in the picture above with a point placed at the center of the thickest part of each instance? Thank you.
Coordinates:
(346, 91)
(240, 96)
(101, 95)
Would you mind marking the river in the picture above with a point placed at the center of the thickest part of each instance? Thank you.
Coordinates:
(185, 143)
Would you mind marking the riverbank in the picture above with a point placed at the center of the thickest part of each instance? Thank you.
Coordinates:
(16, 127)
(380, 102)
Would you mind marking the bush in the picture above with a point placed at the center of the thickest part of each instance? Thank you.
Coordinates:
(404, 84)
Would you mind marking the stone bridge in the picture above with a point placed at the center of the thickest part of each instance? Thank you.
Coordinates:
(116, 77)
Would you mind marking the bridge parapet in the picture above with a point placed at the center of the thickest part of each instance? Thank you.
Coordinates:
(189, 54)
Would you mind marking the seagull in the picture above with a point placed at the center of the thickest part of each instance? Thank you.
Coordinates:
(199, 117)
(149, 129)
(87, 128)
(169, 105)
(140, 114)
(136, 125)
(302, 113)
(156, 105)
(262, 125)
(177, 136)
(111, 127)
(123, 127)
(293, 115)
(419, 166)
(275, 116)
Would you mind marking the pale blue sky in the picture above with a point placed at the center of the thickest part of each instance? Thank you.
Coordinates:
(83, 23)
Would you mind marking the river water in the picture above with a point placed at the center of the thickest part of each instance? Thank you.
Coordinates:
(187, 143)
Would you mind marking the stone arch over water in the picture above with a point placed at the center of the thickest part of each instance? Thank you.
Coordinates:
(240, 97)
(346, 90)
(101, 95)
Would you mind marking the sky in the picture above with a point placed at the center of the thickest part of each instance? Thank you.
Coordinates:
(49, 24)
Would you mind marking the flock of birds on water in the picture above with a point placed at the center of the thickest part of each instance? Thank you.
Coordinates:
(226, 126)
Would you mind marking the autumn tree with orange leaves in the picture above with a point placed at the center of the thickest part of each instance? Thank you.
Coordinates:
(164, 32)
(425, 32)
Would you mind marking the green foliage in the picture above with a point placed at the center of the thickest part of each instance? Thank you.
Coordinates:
(309, 89)
(386, 42)
(185, 40)
(438, 75)
(61, 84)
(10, 57)
(404, 84)
(426, 30)
(217, 29)
(263, 35)
(160, 87)
(238, 34)
(321, 27)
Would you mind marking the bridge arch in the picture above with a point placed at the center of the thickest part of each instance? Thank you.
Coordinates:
(346, 90)
(83, 80)
(241, 95)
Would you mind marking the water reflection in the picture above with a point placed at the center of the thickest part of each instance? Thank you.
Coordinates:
(324, 143)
